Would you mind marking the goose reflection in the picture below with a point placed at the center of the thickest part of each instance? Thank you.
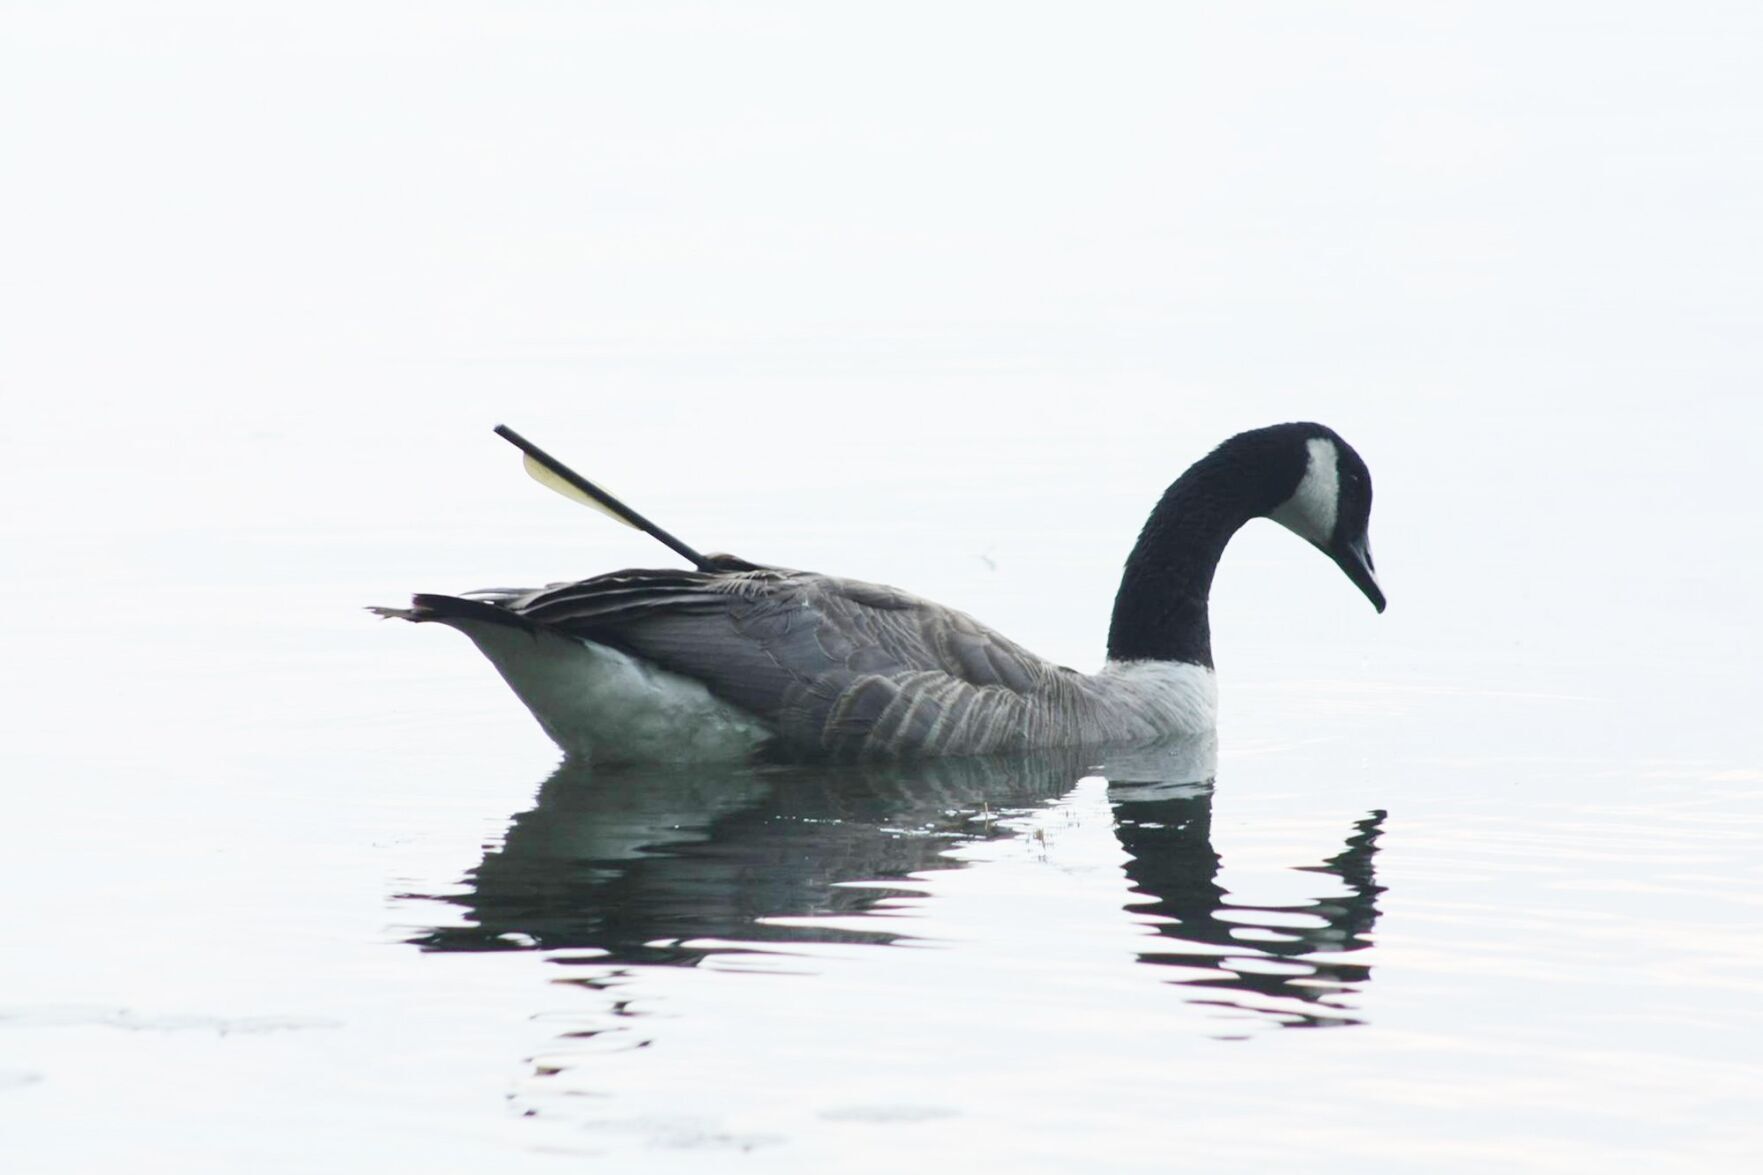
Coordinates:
(671, 865)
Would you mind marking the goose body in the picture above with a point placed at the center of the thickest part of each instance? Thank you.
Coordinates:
(735, 659)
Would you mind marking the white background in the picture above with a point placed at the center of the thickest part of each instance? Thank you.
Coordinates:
(936, 294)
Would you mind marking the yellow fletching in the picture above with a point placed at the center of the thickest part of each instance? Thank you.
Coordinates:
(545, 476)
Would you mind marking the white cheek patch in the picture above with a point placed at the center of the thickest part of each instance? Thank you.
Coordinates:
(1310, 512)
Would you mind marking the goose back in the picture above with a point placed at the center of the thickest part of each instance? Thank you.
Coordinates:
(848, 668)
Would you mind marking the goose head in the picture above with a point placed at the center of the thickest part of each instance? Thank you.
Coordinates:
(1303, 476)
(1323, 495)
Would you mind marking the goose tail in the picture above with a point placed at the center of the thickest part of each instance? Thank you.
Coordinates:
(452, 610)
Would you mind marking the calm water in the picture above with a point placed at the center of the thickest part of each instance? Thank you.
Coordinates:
(292, 889)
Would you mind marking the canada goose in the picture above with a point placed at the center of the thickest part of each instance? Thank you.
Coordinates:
(735, 658)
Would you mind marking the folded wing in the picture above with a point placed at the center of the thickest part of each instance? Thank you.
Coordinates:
(834, 665)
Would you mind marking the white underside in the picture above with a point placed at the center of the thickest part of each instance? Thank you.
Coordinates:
(600, 704)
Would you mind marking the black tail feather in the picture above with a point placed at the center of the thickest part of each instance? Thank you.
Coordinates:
(425, 607)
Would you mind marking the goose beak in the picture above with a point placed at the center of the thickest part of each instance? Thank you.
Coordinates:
(1355, 560)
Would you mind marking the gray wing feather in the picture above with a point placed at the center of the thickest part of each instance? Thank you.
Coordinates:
(836, 665)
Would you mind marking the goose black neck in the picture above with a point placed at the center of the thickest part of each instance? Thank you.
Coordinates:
(1160, 613)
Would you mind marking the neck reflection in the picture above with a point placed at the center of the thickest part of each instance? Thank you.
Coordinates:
(1284, 962)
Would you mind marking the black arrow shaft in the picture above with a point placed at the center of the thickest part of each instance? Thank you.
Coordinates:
(601, 496)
